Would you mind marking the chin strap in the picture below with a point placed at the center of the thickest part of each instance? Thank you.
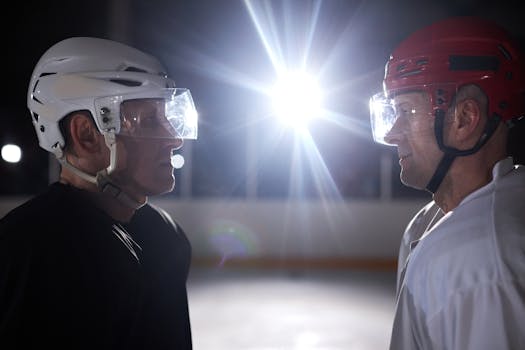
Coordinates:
(102, 179)
(450, 153)
(440, 172)
(106, 186)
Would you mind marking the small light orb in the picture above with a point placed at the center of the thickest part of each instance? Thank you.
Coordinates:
(177, 161)
(11, 153)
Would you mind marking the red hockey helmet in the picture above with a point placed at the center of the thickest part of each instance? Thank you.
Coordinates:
(448, 54)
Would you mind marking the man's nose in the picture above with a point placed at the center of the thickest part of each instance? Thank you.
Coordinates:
(176, 143)
(391, 138)
(394, 134)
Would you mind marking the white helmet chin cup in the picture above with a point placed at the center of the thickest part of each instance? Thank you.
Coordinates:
(75, 72)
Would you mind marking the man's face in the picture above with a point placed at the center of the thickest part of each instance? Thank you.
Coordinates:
(144, 148)
(413, 134)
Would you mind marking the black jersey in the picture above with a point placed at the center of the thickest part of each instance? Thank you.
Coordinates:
(72, 276)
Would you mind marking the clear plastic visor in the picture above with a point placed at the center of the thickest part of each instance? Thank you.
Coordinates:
(404, 115)
(167, 113)
(382, 116)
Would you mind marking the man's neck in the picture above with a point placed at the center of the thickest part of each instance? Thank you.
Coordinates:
(113, 206)
(465, 176)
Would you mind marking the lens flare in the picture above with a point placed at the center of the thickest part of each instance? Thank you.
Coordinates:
(232, 239)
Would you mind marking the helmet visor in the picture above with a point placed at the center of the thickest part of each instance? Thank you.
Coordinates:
(407, 112)
(382, 116)
(401, 115)
(169, 113)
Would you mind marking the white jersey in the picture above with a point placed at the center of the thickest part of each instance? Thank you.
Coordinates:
(422, 222)
(464, 285)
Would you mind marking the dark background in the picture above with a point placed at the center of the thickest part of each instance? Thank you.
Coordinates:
(213, 48)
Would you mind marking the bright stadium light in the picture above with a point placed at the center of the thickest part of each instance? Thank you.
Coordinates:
(296, 98)
(11, 153)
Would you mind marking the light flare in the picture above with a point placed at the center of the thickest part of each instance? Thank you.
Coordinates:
(297, 98)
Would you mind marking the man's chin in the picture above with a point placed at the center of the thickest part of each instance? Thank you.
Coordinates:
(166, 190)
(161, 187)
(407, 181)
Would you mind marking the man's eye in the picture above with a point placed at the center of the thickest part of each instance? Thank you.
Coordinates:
(149, 122)
(403, 112)
(407, 112)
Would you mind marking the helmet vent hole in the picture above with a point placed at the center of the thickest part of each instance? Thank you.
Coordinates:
(473, 63)
(126, 82)
(34, 89)
(422, 62)
(135, 69)
(410, 73)
(505, 52)
(36, 99)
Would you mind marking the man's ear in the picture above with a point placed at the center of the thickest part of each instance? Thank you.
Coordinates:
(468, 119)
(85, 136)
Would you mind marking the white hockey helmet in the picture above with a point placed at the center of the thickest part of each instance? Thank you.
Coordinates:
(94, 74)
